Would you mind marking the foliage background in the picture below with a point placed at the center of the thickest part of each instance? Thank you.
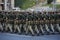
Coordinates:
(23, 4)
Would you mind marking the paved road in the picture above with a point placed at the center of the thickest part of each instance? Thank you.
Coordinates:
(6, 36)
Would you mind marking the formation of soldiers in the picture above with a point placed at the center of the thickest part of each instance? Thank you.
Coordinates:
(30, 23)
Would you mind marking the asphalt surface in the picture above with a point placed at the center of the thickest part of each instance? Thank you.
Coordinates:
(7, 36)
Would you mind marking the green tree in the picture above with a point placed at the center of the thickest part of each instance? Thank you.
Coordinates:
(23, 4)
(49, 1)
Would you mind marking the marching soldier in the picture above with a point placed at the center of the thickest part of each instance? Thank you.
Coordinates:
(8, 25)
(1, 27)
(52, 28)
(36, 27)
(41, 28)
(30, 28)
(16, 27)
(1, 21)
(25, 28)
(58, 27)
(46, 27)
